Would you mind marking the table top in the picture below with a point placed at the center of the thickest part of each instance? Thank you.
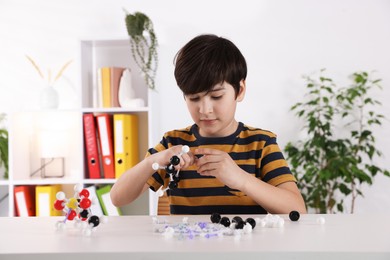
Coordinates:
(343, 236)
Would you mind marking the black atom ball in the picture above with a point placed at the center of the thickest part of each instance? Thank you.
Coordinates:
(251, 222)
(170, 169)
(175, 160)
(84, 213)
(240, 224)
(172, 185)
(176, 178)
(225, 221)
(215, 218)
(94, 220)
(236, 219)
(294, 215)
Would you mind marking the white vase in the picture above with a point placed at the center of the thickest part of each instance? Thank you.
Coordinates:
(126, 93)
(49, 98)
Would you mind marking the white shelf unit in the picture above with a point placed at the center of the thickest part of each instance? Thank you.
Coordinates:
(27, 126)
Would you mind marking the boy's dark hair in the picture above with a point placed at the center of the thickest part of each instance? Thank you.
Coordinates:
(206, 61)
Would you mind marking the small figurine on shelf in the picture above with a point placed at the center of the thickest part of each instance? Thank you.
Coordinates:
(78, 209)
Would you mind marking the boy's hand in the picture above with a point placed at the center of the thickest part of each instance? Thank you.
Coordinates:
(220, 165)
(163, 157)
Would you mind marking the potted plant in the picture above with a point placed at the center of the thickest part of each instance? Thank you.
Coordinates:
(4, 147)
(143, 42)
(336, 157)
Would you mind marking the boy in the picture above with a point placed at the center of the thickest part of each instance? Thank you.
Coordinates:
(231, 168)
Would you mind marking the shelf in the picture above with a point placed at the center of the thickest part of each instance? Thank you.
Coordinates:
(64, 181)
(115, 110)
(104, 53)
(31, 132)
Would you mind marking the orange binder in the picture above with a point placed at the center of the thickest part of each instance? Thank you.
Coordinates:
(126, 142)
(106, 145)
(25, 201)
(91, 147)
(115, 77)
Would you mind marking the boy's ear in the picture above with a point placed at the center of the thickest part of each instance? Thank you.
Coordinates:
(241, 93)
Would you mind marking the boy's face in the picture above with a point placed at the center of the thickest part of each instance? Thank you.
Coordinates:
(214, 111)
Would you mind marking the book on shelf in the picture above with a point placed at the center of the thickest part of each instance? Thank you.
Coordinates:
(104, 124)
(125, 142)
(45, 196)
(103, 194)
(24, 200)
(106, 89)
(108, 79)
(92, 155)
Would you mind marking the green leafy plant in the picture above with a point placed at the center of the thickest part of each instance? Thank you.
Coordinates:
(143, 42)
(4, 147)
(336, 157)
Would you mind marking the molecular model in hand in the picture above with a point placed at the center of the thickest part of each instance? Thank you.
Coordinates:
(170, 169)
(77, 209)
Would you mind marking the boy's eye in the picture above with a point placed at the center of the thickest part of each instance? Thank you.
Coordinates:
(194, 99)
(216, 97)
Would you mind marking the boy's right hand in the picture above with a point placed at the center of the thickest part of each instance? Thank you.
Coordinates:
(163, 157)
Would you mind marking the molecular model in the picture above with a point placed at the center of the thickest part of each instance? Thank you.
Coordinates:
(221, 226)
(77, 209)
(170, 169)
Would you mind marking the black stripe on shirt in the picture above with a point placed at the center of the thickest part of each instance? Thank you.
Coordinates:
(201, 192)
(275, 173)
(271, 157)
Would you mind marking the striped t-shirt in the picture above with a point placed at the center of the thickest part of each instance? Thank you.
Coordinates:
(253, 149)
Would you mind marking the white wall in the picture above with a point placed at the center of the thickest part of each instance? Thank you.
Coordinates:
(281, 39)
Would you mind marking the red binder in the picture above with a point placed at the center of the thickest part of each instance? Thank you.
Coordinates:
(91, 147)
(25, 201)
(106, 145)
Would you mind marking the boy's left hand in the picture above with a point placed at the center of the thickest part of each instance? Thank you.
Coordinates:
(220, 165)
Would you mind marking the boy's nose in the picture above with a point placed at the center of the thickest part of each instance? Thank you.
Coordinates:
(205, 107)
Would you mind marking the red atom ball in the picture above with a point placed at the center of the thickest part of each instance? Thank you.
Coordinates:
(85, 203)
(59, 204)
(72, 215)
(84, 193)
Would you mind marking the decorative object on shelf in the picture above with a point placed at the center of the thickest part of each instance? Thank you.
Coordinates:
(332, 163)
(49, 98)
(53, 146)
(4, 146)
(126, 93)
(143, 42)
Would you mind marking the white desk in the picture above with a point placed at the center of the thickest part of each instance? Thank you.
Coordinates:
(132, 237)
